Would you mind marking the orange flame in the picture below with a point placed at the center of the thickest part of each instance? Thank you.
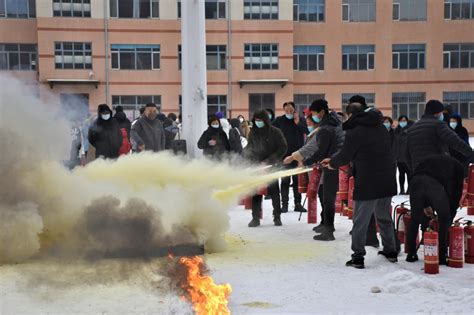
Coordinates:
(207, 297)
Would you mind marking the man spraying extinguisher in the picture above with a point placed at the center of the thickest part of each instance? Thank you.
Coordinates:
(435, 187)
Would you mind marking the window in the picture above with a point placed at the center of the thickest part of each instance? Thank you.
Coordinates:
(216, 57)
(135, 9)
(461, 103)
(17, 57)
(136, 57)
(70, 55)
(261, 101)
(411, 104)
(214, 9)
(308, 10)
(216, 103)
(308, 58)
(358, 10)
(261, 56)
(369, 99)
(458, 9)
(358, 57)
(458, 56)
(411, 56)
(409, 10)
(75, 8)
(261, 9)
(17, 9)
(303, 101)
(132, 103)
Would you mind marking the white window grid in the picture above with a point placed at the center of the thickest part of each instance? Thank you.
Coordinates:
(318, 7)
(370, 56)
(72, 8)
(420, 58)
(261, 56)
(73, 55)
(154, 51)
(260, 9)
(464, 7)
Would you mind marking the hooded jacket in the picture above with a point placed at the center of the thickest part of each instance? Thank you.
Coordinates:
(150, 133)
(267, 144)
(367, 145)
(329, 140)
(222, 142)
(105, 135)
(430, 136)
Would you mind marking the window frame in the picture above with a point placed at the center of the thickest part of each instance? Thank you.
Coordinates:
(137, 105)
(261, 52)
(221, 106)
(296, 8)
(116, 14)
(251, 16)
(318, 58)
(71, 11)
(358, 20)
(218, 54)
(32, 57)
(115, 53)
(420, 105)
(30, 11)
(460, 51)
(393, 11)
(85, 54)
(409, 52)
(369, 56)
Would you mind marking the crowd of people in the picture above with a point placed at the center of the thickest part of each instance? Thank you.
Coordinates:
(432, 156)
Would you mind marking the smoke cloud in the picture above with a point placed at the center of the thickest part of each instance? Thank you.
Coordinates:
(134, 204)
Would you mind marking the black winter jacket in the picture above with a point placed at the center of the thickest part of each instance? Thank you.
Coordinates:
(293, 133)
(400, 143)
(123, 122)
(367, 145)
(430, 136)
(329, 137)
(448, 172)
(105, 136)
(222, 142)
(266, 145)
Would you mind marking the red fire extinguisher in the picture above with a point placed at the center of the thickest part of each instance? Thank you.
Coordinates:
(434, 224)
(400, 212)
(248, 203)
(469, 242)
(470, 191)
(302, 183)
(431, 249)
(350, 201)
(312, 194)
(407, 222)
(456, 243)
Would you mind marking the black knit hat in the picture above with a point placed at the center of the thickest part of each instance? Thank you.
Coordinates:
(433, 107)
(358, 99)
(319, 105)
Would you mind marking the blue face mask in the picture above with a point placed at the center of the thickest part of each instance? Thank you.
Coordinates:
(387, 125)
(270, 116)
(289, 116)
(441, 117)
(310, 129)
(453, 125)
(316, 119)
(259, 124)
(403, 124)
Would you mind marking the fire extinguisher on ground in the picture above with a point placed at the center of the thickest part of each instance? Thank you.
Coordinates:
(400, 212)
(470, 191)
(469, 242)
(456, 244)
(431, 248)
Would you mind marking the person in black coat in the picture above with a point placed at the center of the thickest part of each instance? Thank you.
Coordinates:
(266, 145)
(431, 135)
(104, 134)
(294, 131)
(367, 146)
(235, 137)
(400, 148)
(122, 120)
(437, 186)
(271, 114)
(329, 139)
(455, 122)
(214, 141)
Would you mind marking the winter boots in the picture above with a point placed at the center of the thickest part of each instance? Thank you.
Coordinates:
(300, 208)
(391, 257)
(255, 222)
(356, 263)
(327, 234)
(277, 221)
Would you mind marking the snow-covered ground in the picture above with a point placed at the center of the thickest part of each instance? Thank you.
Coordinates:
(272, 270)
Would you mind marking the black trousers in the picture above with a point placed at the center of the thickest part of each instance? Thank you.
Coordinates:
(274, 192)
(403, 171)
(320, 196)
(285, 188)
(426, 191)
(331, 185)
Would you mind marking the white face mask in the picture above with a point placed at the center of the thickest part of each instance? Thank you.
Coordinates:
(105, 116)
(215, 126)
(241, 120)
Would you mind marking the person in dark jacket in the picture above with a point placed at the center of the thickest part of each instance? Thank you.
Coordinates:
(294, 131)
(104, 134)
(122, 120)
(266, 145)
(455, 123)
(235, 137)
(400, 151)
(436, 186)
(148, 131)
(214, 140)
(367, 146)
(431, 135)
(271, 114)
(328, 140)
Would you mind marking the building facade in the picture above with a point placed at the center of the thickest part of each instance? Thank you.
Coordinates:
(260, 53)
